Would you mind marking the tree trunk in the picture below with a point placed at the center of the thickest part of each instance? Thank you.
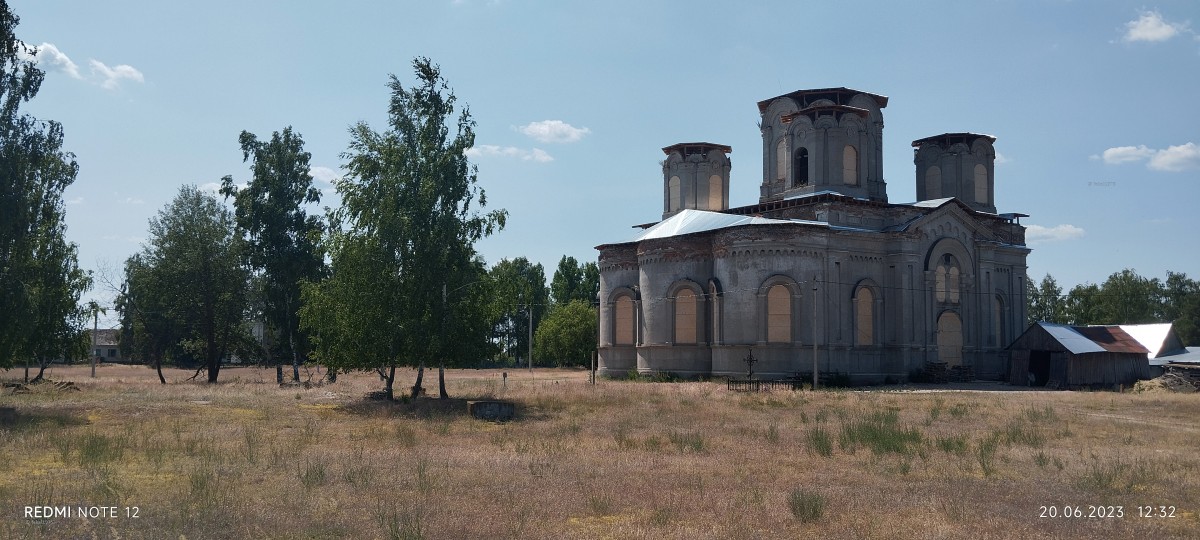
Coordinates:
(42, 369)
(331, 374)
(158, 368)
(387, 389)
(442, 381)
(416, 389)
(279, 372)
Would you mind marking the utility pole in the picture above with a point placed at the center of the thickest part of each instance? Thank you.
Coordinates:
(531, 337)
(814, 325)
(95, 351)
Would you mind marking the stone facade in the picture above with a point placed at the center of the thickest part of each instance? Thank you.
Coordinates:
(822, 258)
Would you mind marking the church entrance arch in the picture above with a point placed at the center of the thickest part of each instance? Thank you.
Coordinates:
(949, 339)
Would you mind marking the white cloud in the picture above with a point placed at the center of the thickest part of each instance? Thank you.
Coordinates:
(1151, 27)
(49, 57)
(482, 150)
(325, 174)
(110, 77)
(211, 187)
(1035, 234)
(1176, 158)
(554, 131)
(133, 200)
(76, 200)
(1125, 154)
(1001, 159)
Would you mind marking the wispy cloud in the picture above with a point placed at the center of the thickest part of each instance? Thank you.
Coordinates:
(1002, 159)
(76, 200)
(50, 58)
(133, 200)
(554, 131)
(325, 174)
(1037, 234)
(488, 150)
(1151, 26)
(1184, 157)
(110, 78)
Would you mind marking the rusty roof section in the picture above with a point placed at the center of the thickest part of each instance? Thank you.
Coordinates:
(1112, 339)
(107, 337)
(696, 147)
(814, 111)
(839, 96)
(947, 140)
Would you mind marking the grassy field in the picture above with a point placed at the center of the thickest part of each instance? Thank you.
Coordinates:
(248, 459)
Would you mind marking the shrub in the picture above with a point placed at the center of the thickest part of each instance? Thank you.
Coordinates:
(820, 442)
(806, 506)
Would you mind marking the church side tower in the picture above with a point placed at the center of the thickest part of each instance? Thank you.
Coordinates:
(960, 165)
(827, 139)
(696, 176)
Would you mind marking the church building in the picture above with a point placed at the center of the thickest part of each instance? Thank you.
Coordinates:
(822, 267)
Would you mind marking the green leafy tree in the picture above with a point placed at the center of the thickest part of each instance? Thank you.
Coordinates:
(1046, 302)
(40, 281)
(1181, 305)
(148, 332)
(518, 288)
(1127, 298)
(191, 273)
(280, 238)
(402, 243)
(567, 336)
(1083, 305)
(573, 281)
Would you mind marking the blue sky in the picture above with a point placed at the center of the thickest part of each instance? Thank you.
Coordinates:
(1094, 105)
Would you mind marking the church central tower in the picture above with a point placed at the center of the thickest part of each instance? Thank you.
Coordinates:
(823, 140)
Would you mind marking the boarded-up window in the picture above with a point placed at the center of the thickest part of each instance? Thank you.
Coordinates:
(716, 195)
(781, 155)
(850, 166)
(947, 280)
(623, 329)
(779, 314)
(673, 192)
(949, 339)
(864, 317)
(685, 316)
(933, 182)
(981, 187)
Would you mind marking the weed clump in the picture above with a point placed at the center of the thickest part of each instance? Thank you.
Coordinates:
(805, 505)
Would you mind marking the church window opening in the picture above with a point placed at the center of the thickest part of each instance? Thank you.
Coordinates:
(864, 317)
(933, 182)
(685, 316)
(981, 188)
(781, 153)
(779, 314)
(947, 279)
(623, 329)
(998, 321)
(715, 193)
(850, 166)
(673, 193)
(801, 167)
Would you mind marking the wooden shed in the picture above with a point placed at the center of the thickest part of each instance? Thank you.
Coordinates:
(1061, 356)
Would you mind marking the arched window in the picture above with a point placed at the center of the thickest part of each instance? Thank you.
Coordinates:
(714, 301)
(623, 329)
(864, 317)
(685, 316)
(781, 154)
(716, 195)
(981, 187)
(779, 314)
(673, 189)
(850, 166)
(801, 167)
(933, 182)
(947, 280)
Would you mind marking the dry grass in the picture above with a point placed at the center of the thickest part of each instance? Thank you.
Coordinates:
(248, 459)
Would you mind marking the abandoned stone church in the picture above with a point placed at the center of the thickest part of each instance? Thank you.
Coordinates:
(823, 265)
